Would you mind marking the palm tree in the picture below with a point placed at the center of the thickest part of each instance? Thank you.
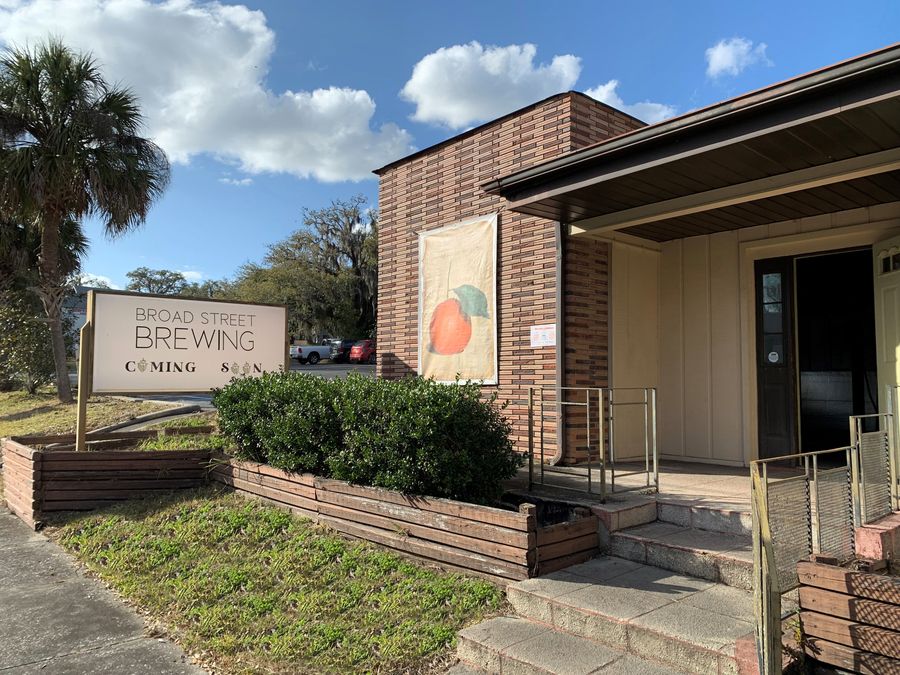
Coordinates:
(20, 247)
(70, 148)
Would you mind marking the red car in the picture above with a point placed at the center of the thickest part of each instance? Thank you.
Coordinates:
(363, 352)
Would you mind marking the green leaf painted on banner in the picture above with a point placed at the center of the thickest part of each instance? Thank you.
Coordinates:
(472, 300)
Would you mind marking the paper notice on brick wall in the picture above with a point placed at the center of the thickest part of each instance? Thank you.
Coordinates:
(543, 335)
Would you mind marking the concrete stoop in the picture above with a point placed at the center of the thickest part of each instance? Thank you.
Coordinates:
(508, 645)
(702, 514)
(611, 615)
(716, 556)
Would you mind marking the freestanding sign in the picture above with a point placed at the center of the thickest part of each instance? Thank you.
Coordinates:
(149, 344)
(154, 345)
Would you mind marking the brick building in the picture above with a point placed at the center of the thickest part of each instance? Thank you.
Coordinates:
(702, 256)
(441, 185)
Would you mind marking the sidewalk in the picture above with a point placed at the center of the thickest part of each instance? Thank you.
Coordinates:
(54, 619)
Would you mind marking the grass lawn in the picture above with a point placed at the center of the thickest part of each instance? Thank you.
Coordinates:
(252, 589)
(22, 414)
(186, 442)
(202, 419)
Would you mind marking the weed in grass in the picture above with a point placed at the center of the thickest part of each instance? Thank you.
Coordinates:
(203, 419)
(258, 590)
(185, 442)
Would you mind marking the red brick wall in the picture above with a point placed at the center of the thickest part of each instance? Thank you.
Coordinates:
(441, 186)
(586, 293)
(593, 122)
(586, 321)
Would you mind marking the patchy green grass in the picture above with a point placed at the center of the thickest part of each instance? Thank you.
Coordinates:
(253, 589)
(203, 419)
(22, 414)
(186, 442)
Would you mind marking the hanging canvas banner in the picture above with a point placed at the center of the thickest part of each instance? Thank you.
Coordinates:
(458, 301)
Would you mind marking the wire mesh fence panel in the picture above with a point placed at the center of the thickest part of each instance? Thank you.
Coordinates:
(834, 513)
(789, 520)
(874, 460)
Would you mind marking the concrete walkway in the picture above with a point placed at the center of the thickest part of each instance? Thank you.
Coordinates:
(54, 619)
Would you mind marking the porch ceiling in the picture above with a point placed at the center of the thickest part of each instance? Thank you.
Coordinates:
(820, 143)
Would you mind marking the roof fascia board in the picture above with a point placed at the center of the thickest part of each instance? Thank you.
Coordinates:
(648, 155)
(805, 87)
(772, 186)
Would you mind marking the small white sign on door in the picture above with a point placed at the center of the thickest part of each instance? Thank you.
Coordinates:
(543, 335)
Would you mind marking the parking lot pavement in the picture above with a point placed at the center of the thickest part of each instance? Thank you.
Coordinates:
(55, 619)
(332, 370)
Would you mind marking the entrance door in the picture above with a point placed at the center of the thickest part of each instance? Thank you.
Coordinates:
(776, 380)
(887, 315)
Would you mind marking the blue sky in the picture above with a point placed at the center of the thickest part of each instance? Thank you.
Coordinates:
(269, 107)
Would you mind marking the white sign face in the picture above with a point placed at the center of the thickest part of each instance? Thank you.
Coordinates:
(147, 344)
(543, 336)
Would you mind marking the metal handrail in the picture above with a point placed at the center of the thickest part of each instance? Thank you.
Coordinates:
(600, 433)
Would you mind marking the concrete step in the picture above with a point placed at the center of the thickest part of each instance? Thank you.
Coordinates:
(514, 645)
(703, 514)
(725, 558)
(683, 621)
(463, 668)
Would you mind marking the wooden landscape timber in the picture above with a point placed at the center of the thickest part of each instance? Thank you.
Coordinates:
(850, 619)
(38, 481)
(502, 545)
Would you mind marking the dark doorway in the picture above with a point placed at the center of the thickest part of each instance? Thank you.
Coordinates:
(836, 368)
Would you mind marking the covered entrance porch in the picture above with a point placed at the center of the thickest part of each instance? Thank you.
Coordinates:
(753, 271)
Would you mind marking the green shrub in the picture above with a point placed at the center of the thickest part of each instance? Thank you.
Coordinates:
(412, 435)
(280, 419)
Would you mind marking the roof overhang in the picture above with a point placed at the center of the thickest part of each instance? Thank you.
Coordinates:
(819, 143)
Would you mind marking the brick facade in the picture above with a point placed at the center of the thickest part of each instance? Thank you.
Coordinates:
(442, 185)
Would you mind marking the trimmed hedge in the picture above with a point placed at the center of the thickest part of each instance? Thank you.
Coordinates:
(412, 435)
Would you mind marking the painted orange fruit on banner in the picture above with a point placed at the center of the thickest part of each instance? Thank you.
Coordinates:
(451, 323)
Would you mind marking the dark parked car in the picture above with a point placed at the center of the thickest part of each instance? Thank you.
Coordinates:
(363, 352)
(340, 350)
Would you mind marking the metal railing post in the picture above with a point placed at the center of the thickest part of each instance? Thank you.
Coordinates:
(893, 451)
(602, 444)
(647, 436)
(612, 441)
(530, 438)
(655, 445)
(541, 428)
(814, 512)
(587, 424)
(856, 493)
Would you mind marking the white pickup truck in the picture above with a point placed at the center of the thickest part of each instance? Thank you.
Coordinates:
(310, 354)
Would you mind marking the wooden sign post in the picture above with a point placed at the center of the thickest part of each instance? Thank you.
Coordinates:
(85, 369)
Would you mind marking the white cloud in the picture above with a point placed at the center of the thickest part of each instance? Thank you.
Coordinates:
(88, 279)
(237, 182)
(731, 56)
(199, 70)
(192, 275)
(647, 111)
(463, 84)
